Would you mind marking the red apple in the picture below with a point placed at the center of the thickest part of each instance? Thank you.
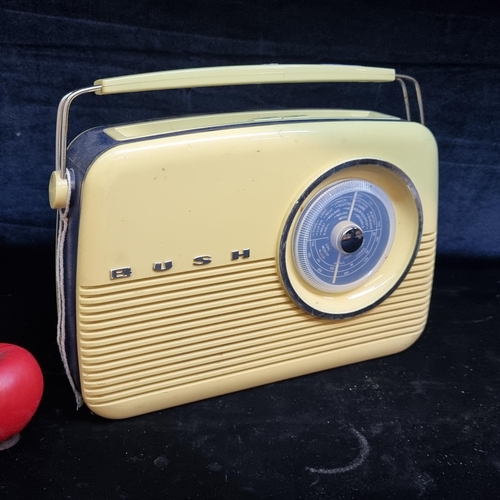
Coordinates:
(21, 387)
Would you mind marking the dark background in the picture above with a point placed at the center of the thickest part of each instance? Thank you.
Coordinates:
(51, 48)
(422, 424)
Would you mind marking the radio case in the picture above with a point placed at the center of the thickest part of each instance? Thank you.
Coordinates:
(197, 256)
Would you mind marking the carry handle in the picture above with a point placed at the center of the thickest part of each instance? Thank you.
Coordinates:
(221, 76)
(243, 75)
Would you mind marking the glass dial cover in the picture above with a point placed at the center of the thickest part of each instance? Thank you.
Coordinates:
(343, 235)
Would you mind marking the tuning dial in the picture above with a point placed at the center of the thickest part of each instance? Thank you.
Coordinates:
(343, 235)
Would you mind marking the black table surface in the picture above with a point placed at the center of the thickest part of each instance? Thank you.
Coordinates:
(420, 424)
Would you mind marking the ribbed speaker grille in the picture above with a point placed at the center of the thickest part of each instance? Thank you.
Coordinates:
(150, 335)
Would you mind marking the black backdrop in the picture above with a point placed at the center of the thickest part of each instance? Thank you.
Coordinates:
(50, 48)
(421, 424)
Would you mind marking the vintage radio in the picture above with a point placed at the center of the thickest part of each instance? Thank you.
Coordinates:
(202, 255)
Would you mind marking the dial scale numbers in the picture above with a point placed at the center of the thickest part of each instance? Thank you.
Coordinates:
(343, 235)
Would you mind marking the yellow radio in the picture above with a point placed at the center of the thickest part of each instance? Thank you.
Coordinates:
(202, 255)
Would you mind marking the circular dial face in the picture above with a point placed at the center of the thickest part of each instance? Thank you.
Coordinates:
(343, 235)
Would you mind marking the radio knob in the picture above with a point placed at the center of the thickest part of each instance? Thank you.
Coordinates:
(58, 190)
(351, 240)
(347, 237)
